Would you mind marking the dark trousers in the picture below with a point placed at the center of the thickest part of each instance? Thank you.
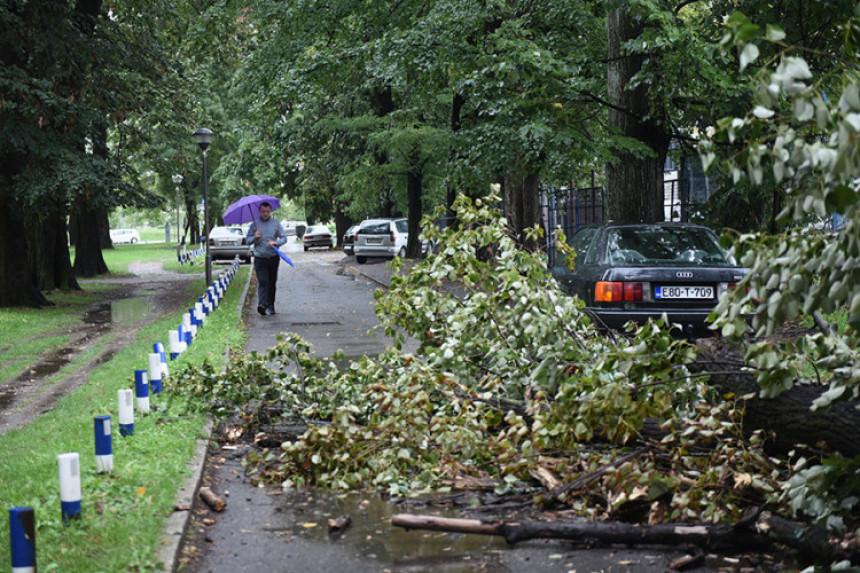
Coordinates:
(267, 280)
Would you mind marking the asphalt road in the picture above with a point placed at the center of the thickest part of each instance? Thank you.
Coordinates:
(265, 530)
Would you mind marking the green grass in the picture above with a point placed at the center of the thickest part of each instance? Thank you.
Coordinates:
(123, 512)
(27, 333)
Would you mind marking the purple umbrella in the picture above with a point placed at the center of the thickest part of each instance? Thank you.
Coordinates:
(247, 209)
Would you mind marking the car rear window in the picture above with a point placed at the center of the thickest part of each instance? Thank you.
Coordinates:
(402, 225)
(664, 246)
(381, 228)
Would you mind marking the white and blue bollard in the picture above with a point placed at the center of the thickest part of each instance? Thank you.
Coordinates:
(104, 444)
(155, 373)
(186, 326)
(158, 348)
(141, 390)
(125, 399)
(173, 344)
(70, 486)
(22, 535)
(183, 344)
(203, 305)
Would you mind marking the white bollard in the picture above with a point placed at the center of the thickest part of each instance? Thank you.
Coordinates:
(141, 390)
(125, 399)
(158, 348)
(104, 444)
(70, 486)
(154, 373)
(173, 344)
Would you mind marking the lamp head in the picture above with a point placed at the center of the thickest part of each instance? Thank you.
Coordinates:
(177, 179)
(203, 137)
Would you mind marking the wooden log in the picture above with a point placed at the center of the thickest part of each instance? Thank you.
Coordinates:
(809, 540)
(788, 416)
(212, 499)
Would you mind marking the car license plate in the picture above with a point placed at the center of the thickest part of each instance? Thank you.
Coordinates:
(664, 292)
(376, 241)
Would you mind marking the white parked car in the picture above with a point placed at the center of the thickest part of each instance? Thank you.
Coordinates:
(381, 238)
(120, 236)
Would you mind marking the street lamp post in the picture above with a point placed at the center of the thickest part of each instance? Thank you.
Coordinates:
(177, 181)
(203, 137)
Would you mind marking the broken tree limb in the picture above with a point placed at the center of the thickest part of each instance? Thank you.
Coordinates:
(212, 499)
(788, 416)
(809, 540)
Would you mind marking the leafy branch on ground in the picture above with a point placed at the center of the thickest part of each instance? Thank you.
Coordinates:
(497, 331)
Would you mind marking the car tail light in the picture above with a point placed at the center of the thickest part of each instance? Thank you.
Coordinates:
(308, 237)
(211, 242)
(722, 288)
(391, 234)
(617, 291)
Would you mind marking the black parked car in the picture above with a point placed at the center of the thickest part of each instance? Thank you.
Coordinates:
(637, 271)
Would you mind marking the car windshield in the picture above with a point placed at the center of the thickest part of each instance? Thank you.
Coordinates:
(656, 245)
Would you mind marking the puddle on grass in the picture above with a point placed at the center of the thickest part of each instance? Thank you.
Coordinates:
(126, 310)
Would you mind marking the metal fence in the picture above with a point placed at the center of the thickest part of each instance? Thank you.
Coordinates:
(570, 208)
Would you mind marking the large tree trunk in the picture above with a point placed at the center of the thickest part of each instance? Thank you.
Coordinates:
(634, 183)
(450, 190)
(788, 418)
(48, 251)
(522, 205)
(17, 280)
(89, 261)
(414, 192)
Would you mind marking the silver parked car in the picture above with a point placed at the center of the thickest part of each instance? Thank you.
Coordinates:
(381, 238)
(228, 243)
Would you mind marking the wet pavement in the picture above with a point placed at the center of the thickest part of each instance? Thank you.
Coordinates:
(328, 299)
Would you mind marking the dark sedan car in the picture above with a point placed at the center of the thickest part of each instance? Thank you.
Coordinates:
(349, 240)
(637, 271)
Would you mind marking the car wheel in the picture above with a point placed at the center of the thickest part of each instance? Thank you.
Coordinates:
(402, 253)
(133, 241)
(361, 260)
(306, 248)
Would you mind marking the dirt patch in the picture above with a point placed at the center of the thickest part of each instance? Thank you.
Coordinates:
(112, 323)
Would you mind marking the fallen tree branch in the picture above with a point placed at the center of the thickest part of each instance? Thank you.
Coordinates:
(810, 541)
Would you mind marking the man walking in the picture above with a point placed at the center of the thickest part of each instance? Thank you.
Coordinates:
(265, 234)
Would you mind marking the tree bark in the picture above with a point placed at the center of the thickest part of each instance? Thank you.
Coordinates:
(788, 417)
(414, 192)
(18, 286)
(89, 261)
(522, 205)
(48, 251)
(810, 540)
(634, 183)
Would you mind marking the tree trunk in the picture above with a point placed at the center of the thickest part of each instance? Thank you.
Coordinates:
(414, 192)
(788, 417)
(49, 252)
(522, 206)
(450, 190)
(18, 285)
(89, 261)
(104, 229)
(634, 181)
(811, 541)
